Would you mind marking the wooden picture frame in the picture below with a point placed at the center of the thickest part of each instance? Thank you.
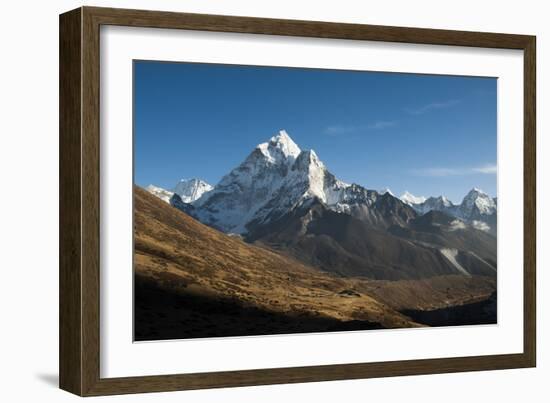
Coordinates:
(79, 346)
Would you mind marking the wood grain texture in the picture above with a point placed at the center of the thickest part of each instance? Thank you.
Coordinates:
(80, 195)
(161, 383)
(530, 203)
(90, 202)
(316, 29)
(70, 274)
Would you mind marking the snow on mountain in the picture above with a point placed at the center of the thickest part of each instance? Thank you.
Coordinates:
(310, 172)
(477, 208)
(440, 203)
(477, 203)
(278, 177)
(308, 179)
(161, 193)
(411, 199)
(274, 179)
(386, 190)
(280, 148)
(235, 200)
(191, 189)
(480, 210)
(188, 190)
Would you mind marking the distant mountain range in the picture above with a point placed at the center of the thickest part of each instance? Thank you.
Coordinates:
(477, 208)
(286, 199)
(188, 190)
(278, 177)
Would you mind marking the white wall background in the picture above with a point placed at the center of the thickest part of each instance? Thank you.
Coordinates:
(29, 198)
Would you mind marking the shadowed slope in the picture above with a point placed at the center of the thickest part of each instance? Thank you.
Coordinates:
(345, 245)
(197, 269)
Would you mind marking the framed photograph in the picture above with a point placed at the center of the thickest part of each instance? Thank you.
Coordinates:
(249, 201)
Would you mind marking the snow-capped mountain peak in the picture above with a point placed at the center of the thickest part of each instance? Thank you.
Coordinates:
(474, 193)
(386, 190)
(280, 148)
(274, 179)
(191, 189)
(411, 199)
(161, 193)
(444, 201)
(439, 203)
(240, 194)
(478, 199)
(476, 207)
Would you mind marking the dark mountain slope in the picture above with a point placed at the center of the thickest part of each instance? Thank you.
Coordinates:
(342, 244)
(476, 249)
(347, 246)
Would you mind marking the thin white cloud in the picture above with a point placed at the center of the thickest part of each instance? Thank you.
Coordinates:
(338, 130)
(487, 169)
(432, 106)
(382, 124)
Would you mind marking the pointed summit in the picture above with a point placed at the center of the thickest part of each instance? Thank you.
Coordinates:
(475, 194)
(476, 191)
(439, 203)
(191, 189)
(478, 200)
(282, 137)
(283, 142)
(278, 178)
(444, 201)
(275, 178)
(280, 147)
(161, 193)
(411, 199)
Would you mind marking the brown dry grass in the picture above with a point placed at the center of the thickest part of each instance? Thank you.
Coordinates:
(187, 257)
(429, 294)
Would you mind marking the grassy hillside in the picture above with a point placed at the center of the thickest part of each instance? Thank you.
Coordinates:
(183, 266)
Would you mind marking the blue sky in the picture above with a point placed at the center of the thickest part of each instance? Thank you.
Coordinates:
(427, 134)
